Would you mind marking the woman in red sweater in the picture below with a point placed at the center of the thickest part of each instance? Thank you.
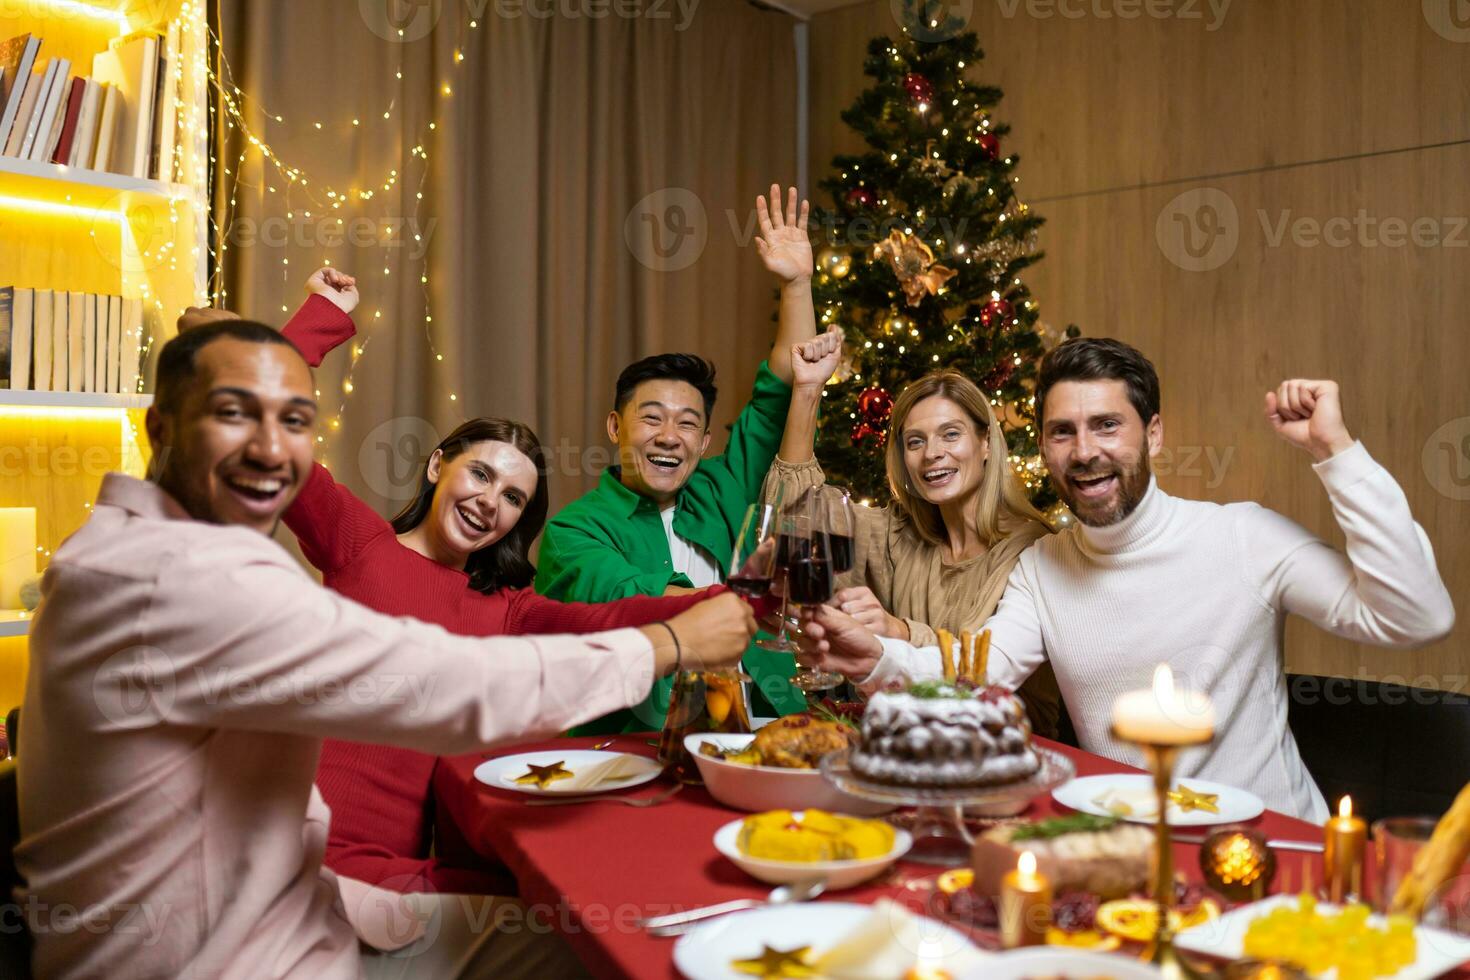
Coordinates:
(458, 556)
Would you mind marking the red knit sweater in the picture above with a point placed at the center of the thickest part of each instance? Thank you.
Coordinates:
(380, 796)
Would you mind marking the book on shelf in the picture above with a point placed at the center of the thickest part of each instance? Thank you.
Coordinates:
(123, 119)
(18, 58)
(60, 340)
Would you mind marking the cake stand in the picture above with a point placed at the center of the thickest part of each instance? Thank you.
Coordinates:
(939, 831)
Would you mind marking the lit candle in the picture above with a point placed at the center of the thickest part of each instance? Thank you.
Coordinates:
(931, 954)
(17, 552)
(1163, 715)
(1344, 839)
(1025, 905)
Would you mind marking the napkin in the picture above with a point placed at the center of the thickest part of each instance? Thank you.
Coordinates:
(1128, 802)
(620, 767)
(890, 942)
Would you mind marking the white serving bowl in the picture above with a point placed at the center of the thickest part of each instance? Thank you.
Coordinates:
(760, 788)
(838, 874)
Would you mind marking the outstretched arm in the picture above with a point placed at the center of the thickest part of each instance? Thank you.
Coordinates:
(785, 250)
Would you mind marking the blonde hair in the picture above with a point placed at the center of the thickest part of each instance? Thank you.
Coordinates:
(1001, 508)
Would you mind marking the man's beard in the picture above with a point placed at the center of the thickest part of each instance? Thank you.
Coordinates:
(1132, 485)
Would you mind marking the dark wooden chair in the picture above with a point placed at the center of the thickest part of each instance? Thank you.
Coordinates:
(1400, 751)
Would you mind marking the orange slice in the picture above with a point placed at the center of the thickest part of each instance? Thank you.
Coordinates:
(718, 703)
(955, 880)
(1139, 921)
(1082, 939)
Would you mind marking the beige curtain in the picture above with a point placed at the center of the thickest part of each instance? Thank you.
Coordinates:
(544, 275)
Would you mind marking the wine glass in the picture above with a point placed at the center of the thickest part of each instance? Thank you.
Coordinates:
(783, 521)
(841, 528)
(753, 563)
(810, 571)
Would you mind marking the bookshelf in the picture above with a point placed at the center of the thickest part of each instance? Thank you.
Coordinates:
(75, 229)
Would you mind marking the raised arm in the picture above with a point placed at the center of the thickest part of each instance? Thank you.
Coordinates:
(786, 251)
(324, 321)
(1387, 589)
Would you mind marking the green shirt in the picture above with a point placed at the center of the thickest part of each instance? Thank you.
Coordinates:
(610, 544)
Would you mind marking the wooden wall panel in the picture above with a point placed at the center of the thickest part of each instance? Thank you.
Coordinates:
(1332, 141)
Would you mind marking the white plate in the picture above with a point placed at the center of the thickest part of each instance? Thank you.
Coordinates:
(761, 788)
(706, 953)
(502, 772)
(839, 874)
(1438, 951)
(1236, 805)
(1019, 964)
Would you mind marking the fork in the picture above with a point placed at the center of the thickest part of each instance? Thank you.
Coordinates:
(626, 800)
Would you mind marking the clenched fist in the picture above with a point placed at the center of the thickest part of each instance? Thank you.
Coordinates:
(337, 287)
(1308, 414)
(713, 634)
(813, 362)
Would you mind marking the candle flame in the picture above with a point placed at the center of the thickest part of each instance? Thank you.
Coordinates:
(1345, 807)
(1026, 865)
(931, 952)
(1164, 684)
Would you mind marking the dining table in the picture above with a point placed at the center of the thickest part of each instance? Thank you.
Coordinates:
(592, 871)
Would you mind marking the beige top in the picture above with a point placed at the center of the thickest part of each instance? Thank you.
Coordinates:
(182, 677)
(911, 579)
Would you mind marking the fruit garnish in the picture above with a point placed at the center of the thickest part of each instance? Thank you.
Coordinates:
(1320, 941)
(1187, 800)
(718, 703)
(955, 879)
(1139, 921)
(1084, 939)
(777, 963)
(542, 776)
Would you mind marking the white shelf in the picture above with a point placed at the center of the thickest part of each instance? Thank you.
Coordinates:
(72, 399)
(88, 183)
(14, 622)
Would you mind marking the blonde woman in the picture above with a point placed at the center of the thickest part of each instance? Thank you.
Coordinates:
(938, 556)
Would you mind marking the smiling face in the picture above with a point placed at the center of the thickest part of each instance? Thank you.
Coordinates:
(944, 451)
(479, 495)
(1097, 449)
(661, 434)
(239, 443)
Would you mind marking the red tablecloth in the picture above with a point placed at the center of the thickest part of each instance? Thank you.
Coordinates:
(593, 870)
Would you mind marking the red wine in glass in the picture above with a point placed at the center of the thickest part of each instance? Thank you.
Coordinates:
(809, 581)
(749, 586)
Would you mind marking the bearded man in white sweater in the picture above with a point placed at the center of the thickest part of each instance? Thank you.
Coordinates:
(1145, 578)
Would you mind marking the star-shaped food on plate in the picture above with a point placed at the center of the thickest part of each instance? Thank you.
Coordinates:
(544, 776)
(1188, 800)
(777, 963)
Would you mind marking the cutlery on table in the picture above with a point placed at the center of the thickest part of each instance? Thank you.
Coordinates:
(627, 800)
(678, 923)
(1305, 846)
(602, 745)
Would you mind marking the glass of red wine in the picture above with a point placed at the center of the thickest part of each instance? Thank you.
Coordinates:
(811, 570)
(753, 562)
(782, 529)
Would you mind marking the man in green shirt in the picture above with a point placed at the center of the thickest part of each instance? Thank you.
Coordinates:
(665, 519)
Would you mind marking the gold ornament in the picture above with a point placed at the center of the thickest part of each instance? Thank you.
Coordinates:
(1238, 864)
(913, 263)
(1059, 517)
(835, 263)
(777, 963)
(1189, 800)
(543, 776)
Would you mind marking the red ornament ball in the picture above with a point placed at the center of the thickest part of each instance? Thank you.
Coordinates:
(995, 313)
(919, 88)
(875, 406)
(990, 145)
(861, 197)
(998, 375)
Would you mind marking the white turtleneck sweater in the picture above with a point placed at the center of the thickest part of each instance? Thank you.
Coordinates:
(1206, 588)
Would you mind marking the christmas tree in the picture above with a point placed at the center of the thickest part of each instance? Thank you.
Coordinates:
(923, 252)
